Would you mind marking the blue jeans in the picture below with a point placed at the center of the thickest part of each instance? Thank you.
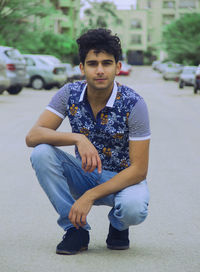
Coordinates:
(64, 181)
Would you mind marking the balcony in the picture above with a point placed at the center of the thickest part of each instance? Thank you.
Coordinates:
(187, 4)
(66, 3)
(169, 4)
(66, 23)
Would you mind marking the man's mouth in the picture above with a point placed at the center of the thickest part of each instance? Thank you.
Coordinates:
(100, 79)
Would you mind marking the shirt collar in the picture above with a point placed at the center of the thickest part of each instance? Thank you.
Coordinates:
(110, 101)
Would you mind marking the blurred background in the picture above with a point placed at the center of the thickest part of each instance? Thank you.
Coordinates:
(162, 33)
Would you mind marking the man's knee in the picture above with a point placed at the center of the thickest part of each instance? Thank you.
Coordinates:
(133, 212)
(41, 155)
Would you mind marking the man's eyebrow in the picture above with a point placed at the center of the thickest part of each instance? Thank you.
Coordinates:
(94, 61)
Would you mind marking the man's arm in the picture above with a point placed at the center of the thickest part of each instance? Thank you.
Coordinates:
(135, 173)
(44, 132)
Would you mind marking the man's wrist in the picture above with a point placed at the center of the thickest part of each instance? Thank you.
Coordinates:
(91, 195)
(77, 137)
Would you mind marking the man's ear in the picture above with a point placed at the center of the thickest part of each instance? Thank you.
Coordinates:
(118, 68)
(81, 66)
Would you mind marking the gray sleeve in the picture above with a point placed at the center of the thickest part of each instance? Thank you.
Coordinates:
(138, 122)
(59, 101)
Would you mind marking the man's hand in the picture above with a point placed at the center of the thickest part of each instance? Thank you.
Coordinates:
(80, 210)
(89, 155)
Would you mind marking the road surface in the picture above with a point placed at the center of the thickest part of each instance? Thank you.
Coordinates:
(169, 239)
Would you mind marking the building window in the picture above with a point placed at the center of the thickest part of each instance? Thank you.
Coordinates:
(187, 4)
(65, 10)
(136, 39)
(136, 24)
(169, 4)
(149, 4)
(167, 19)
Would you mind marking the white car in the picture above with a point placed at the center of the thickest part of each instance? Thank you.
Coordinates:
(4, 80)
(15, 68)
(45, 71)
(172, 72)
(197, 80)
(187, 77)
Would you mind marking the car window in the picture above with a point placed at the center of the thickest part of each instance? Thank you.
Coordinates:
(14, 54)
(189, 71)
(50, 59)
(29, 62)
(43, 61)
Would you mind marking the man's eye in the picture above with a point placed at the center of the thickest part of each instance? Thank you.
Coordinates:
(107, 63)
(92, 64)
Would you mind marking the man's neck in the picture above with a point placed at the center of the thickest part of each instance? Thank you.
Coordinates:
(99, 97)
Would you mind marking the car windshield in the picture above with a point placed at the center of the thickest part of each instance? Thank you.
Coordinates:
(43, 61)
(50, 59)
(189, 71)
(14, 54)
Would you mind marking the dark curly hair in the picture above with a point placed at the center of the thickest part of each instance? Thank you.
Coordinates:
(99, 40)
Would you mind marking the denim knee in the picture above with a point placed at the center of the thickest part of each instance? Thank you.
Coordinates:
(131, 212)
(41, 155)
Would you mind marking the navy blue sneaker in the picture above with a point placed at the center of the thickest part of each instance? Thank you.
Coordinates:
(117, 239)
(74, 241)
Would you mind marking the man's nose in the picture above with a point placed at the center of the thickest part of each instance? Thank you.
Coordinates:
(100, 69)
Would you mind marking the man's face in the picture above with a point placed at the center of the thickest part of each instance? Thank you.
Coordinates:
(100, 70)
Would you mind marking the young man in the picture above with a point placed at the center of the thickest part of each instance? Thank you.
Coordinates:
(110, 132)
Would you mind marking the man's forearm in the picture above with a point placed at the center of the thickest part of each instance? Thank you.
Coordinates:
(129, 176)
(42, 135)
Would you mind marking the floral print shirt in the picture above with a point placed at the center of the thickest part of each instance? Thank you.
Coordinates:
(123, 119)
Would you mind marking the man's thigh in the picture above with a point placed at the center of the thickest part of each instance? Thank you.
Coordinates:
(132, 194)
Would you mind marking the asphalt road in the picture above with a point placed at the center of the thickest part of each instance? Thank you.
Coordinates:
(169, 240)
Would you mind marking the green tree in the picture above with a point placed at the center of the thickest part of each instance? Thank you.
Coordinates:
(19, 22)
(58, 45)
(24, 25)
(99, 14)
(181, 39)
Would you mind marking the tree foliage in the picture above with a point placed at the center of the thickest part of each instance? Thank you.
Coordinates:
(182, 39)
(22, 27)
(99, 14)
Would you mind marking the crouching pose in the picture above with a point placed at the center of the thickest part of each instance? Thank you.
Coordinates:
(111, 134)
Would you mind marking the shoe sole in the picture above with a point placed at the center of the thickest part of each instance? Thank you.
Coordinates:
(117, 247)
(64, 252)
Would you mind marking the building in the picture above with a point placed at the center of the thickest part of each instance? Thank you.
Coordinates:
(67, 21)
(141, 29)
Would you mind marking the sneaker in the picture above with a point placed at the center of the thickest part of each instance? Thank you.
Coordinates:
(74, 241)
(117, 239)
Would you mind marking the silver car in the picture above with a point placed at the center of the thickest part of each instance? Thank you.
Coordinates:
(15, 69)
(172, 73)
(45, 71)
(4, 80)
(187, 77)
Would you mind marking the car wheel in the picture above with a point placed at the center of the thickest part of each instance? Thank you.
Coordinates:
(195, 88)
(181, 84)
(14, 89)
(37, 83)
(48, 87)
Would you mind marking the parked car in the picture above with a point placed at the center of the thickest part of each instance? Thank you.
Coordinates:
(172, 72)
(155, 64)
(73, 73)
(45, 71)
(187, 77)
(197, 80)
(15, 68)
(77, 73)
(160, 67)
(70, 72)
(125, 69)
(4, 80)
